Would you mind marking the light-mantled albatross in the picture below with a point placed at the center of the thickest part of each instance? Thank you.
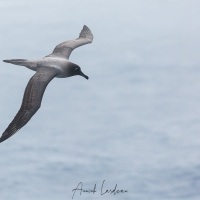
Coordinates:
(56, 64)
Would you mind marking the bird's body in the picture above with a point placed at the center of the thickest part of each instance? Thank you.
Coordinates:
(63, 65)
(56, 64)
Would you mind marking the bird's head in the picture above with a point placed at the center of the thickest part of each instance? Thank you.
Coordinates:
(76, 70)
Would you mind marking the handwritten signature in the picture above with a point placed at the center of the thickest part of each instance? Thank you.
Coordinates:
(79, 189)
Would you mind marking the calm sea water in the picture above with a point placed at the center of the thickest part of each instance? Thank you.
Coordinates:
(134, 123)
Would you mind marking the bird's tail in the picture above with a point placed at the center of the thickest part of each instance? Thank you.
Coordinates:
(24, 62)
(16, 61)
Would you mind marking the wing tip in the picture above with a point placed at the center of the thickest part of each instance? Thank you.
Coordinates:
(86, 33)
(3, 137)
(7, 134)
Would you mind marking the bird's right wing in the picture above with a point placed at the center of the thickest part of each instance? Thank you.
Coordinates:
(31, 101)
(64, 49)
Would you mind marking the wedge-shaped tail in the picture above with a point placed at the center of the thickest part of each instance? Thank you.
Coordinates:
(16, 61)
(31, 64)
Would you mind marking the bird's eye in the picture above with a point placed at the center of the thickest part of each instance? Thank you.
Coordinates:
(76, 68)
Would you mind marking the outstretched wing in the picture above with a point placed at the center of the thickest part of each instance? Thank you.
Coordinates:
(31, 101)
(64, 49)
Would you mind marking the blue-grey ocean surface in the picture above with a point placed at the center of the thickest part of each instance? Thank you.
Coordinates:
(134, 123)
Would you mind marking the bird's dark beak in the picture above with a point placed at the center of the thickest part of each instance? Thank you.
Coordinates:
(83, 75)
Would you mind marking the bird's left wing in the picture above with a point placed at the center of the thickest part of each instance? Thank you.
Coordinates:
(64, 49)
(31, 101)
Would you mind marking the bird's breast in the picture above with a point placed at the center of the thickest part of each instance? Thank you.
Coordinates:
(59, 63)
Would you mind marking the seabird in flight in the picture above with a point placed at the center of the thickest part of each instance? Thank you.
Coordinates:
(56, 64)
